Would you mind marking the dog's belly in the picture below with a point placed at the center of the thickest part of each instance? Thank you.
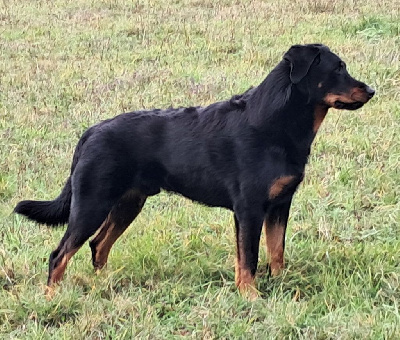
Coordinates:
(210, 193)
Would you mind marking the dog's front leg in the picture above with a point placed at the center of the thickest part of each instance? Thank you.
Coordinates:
(275, 229)
(248, 231)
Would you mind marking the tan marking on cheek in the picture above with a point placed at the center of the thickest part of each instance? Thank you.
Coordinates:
(275, 236)
(320, 85)
(319, 116)
(278, 185)
(331, 98)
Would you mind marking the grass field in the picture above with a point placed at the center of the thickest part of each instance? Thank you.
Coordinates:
(66, 65)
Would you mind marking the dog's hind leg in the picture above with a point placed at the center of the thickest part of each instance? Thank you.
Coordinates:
(120, 217)
(85, 218)
(60, 256)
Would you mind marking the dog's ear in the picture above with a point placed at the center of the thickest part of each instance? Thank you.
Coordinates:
(301, 57)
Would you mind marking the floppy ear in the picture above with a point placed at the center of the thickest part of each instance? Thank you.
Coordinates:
(301, 58)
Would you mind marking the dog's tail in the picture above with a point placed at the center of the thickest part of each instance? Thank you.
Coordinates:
(55, 212)
(52, 213)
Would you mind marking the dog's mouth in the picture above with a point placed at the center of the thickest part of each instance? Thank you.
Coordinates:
(347, 106)
(350, 100)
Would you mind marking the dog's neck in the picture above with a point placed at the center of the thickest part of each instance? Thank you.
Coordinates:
(271, 96)
(301, 120)
(278, 105)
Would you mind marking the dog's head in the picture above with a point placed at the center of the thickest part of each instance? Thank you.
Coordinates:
(322, 75)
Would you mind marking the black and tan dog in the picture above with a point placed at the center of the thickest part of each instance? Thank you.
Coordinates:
(246, 154)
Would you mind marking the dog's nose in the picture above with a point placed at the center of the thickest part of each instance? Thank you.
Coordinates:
(370, 91)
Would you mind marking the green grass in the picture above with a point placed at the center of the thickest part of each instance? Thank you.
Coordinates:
(66, 65)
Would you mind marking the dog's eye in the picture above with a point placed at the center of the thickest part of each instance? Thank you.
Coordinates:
(342, 66)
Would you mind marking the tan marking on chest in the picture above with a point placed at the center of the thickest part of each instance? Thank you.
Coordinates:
(278, 185)
(319, 115)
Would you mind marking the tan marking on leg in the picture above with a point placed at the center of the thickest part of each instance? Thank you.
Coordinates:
(248, 289)
(99, 253)
(237, 271)
(58, 272)
(278, 185)
(275, 237)
(104, 247)
(103, 227)
(244, 280)
(49, 292)
(117, 221)
(319, 115)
